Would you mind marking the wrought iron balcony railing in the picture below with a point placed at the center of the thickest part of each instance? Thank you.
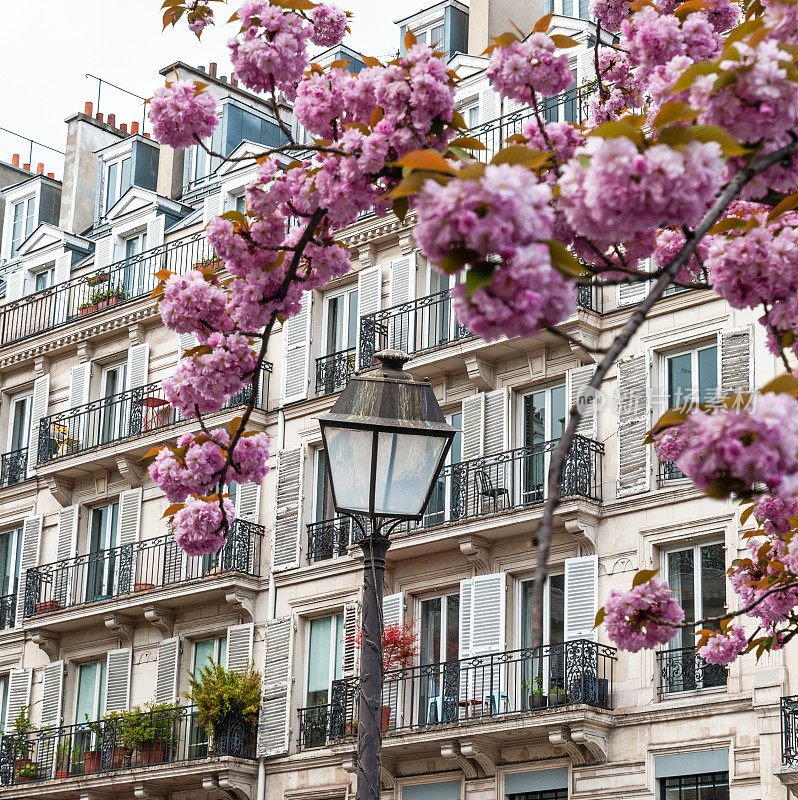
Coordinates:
(683, 670)
(789, 730)
(482, 486)
(108, 286)
(8, 606)
(668, 471)
(127, 415)
(134, 569)
(334, 370)
(482, 688)
(13, 467)
(130, 741)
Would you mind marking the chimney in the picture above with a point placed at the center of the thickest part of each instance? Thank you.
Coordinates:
(40, 169)
(112, 120)
(50, 175)
(88, 108)
(223, 79)
(123, 127)
(26, 167)
(99, 116)
(233, 80)
(212, 69)
(15, 160)
(134, 128)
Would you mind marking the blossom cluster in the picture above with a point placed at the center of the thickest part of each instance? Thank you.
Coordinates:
(192, 303)
(722, 648)
(199, 527)
(181, 115)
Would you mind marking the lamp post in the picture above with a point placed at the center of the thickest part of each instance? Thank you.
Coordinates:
(386, 440)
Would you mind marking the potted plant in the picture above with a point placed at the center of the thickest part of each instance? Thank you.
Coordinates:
(92, 755)
(22, 747)
(29, 771)
(150, 732)
(63, 757)
(557, 696)
(536, 698)
(227, 704)
(107, 298)
(143, 587)
(46, 606)
(87, 308)
(97, 278)
(212, 262)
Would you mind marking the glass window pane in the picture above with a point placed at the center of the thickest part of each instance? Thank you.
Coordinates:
(319, 660)
(204, 654)
(526, 613)
(430, 631)
(534, 418)
(241, 204)
(680, 379)
(19, 430)
(436, 37)
(456, 450)
(558, 412)
(452, 627)
(110, 195)
(680, 578)
(713, 585)
(223, 652)
(349, 455)
(556, 609)
(339, 647)
(6, 555)
(125, 177)
(351, 340)
(707, 374)
(87, 685)
(30, 216)
(568, 8)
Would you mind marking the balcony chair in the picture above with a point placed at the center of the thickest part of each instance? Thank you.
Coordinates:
(60, 441)
(493, 702)
(485, 491)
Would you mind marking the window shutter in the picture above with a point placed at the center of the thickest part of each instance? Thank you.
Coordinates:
(39, 404)
(403, 276)
(736, 360)
(15, 282)
(581, 597)
(188, 341)
(129, 516)
(466, 595)
(155, 232)
(473, 422)
(63, 267)
(578, 379)
(633, 410)
(586, 65)
(488, 106)
(66, 549)
(273, 720)
(369, 300)
(166, 670)
(19, 682)
(117, 680)
(351, 624)
(239, 647)
(103, 251)
(248, 502)
(31, 540)
(495, 428)
(138, 359)
(488, 599)
(211, 207)
(52, 694)
(393, 609)
(79, 382)
(288, 514)
(296, 352)
(630, 294)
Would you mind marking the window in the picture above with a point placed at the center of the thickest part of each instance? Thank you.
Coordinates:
(696, 578)
(547, 794)
(3, 702)
(711, 786)
(19, 422)
(447, 486)
(471, 115)
(692, 376)
(543, 418)
(118, 179)
(101, 570)
(22, 216)
(90, 694)
(44, 279)
(10, 559)
(325, 657)
(241, 204)
(432, 36)
(340, 323)
(112, 383)
(439, 325)
(136, 268)
(440, 643)
(206, 651)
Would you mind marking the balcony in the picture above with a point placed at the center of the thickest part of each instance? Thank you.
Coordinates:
(328, 538)
(107, 287)
(8, 607)
(477, 691)
(13, 467)
(138, 571)
(668, 471)
(71, 755)
(334, 370)
(128, 415)
(683, 670)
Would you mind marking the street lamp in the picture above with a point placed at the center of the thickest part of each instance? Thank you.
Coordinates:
(386, 440)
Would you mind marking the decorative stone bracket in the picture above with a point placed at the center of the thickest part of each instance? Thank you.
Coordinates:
(584, 744)
(477, 552)
(481, 373)
(123, 627)
(223, 786)
(160, 620)
(61, 489)
(130, 471)
(244, 599)
(583, 528)
(48, 643)
(475, 760)
(387, 769)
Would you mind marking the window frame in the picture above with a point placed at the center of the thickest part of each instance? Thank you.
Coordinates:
(442, 595)
(27, 220)
(119, 186)
(519, 408)
(680, 778)
(15, 533)
(13, 400)
(334, 617)
(99, 692)
(346, 292)
(693, 351)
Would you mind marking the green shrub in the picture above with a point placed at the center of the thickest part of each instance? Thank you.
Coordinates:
(219, 693)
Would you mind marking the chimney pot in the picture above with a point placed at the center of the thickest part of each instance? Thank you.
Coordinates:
(233, 80)
(40, 169)
(134, 128)
(212, 69)
(88, 108)
(146, 135)
(223, 79)
(200, 69)
(112, 120)
(99, 116)
(15, 159)
(50, 175)
(26, 167)
(123, 127)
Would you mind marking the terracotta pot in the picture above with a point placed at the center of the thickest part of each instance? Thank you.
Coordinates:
(118, 758)
(350, 729)
(143, 587)
(87, 310)
(386, 717)
(152, 753)
(92, 761)
(47, 605)
(62, 774)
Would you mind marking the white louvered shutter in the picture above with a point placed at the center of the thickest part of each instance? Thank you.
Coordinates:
(735, 347)
(581, 597)
(586, 66)
(473, 408)
(488, 604)
(248, 502)
(351, 624)
(155, 232)
(239, 647)
(79, 383)
(138, 360)
(103, 251)
(495, 426)
(129, 516)
(630, 294)
(52, 694)
(296, 352)
(166, 670)
(578, 379)
(403, 276)
(288, 512)
(273, 722)
(188, 341)
(63, 267)
(117, 680)
(31, 542)
(464, 636)
(393, 609)
(211, 207)
(19, 683)
(39, 404)
(488, 105)
(633, 424)
(15, 283)
(67, 545)
(369, 300)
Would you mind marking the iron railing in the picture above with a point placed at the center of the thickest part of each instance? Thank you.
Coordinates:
(329, 538)
(117, 283)
(478, 689)
(127, 415)
(668, 471)
(13, 467)
(789, 730)
(570, 106)
(333, 371)
(173, 735)
(136, 569)
(8, 607)
(683, 670)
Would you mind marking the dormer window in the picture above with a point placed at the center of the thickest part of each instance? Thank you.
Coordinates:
(118, 179)
(23, 215)
(432, 36)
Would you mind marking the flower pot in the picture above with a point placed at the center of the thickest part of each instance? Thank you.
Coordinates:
(20, 764)
(350, 729)
(84, 310)
(62, 773)
(96, 280)
(538, 701)
(152, 753)
(143, 587)
(386, 717)
(92, 761)
(46, 606)
(557, 699)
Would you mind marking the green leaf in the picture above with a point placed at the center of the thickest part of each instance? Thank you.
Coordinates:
(235, 216)
(563, 259)
(675, 111)
(426, 159)
(694, 71)
(456, 259)
(643, 576)
(600, 616)
(401, 206)
(783, 384)
(479, 275)
(787, 204)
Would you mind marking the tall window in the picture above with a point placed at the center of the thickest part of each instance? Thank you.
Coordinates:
(441, 325)
(325, 657)
(442, 501)
(10, 557)
(44, 279)
(709, 786)
(112, 383)
(101, 570)
(118, 179)
(22, 216)
(136, 270)
(3, 702)
(692, 376)
(432, 36)
(19, 422)
(440, 641)
(543, 418)
(340, 324)
(206, 652)
(90, 694)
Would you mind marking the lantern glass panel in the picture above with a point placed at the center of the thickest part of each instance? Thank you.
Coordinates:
(349, 460)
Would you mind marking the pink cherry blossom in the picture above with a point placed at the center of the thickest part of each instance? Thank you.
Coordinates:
(181, 116)
(723, 648)
(198, 528)
(191, 303)
(329, 25)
